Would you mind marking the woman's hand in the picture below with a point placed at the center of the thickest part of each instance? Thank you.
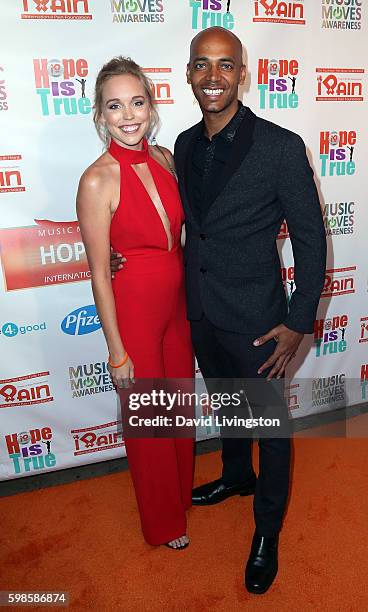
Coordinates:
(122, 377)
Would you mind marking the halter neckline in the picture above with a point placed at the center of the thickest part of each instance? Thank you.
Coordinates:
(129, 156)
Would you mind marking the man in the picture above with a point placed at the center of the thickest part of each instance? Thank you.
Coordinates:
(239, 177)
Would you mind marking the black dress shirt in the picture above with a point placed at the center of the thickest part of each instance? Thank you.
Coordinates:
(208, 161)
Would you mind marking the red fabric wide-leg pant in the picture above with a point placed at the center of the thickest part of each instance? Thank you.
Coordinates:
(151, 312)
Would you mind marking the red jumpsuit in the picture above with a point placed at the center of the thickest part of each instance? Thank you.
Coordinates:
(151, 312)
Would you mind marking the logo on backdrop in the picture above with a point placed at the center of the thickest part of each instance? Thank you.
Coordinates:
(277, 83)
(61, 86)
(137, 11)
(363, 329)
(339, 84)
(330, 335)
(287, 275)
(30, 451)
(364, 380)
(205, 411)
(339, 218)
(3, 93)
(208, 13)
(329, 390)
(81, 321)
(341, 14)
(160, 84)
(275, 11)
(339, 281)
(89, 379)
(283, 232)
(48, 253)
(292, 396)
(55, 9)
(10, 329)
(97, 438)
(25, 390)
(336, 152)
(10, 174)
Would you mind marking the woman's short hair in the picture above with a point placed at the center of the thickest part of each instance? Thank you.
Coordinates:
(115, 67)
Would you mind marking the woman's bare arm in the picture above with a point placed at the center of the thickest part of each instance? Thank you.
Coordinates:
(94, 215)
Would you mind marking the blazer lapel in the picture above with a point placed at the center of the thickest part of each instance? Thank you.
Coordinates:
(242, 142)
(188, 154)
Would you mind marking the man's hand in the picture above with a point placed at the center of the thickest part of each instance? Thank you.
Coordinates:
(116, 262)
(287, 344)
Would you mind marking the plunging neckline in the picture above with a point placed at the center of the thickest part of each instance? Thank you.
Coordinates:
(132, 158)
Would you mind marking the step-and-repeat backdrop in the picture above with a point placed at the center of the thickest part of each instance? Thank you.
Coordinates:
(307, 65)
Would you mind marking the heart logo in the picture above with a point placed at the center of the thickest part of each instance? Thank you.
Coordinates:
(269, 6)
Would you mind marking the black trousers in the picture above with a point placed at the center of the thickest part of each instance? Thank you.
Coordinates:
(228, 355)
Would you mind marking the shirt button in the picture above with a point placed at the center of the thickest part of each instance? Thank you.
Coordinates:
(202, 270)
(202, 236)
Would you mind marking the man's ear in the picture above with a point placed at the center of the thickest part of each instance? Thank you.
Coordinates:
(188, 74)
(243, 74)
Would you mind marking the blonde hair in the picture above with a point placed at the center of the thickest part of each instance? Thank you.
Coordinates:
(116, 66)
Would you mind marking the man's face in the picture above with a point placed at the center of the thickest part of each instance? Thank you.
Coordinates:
(215, 71)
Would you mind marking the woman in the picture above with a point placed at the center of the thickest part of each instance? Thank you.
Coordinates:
(128, 198)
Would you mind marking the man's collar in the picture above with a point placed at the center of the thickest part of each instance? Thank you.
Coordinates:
(229, 130)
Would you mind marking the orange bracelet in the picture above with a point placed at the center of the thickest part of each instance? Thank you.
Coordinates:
(118, 365)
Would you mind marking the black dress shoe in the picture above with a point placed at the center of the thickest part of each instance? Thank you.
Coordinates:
(262, 564)
(216, 491)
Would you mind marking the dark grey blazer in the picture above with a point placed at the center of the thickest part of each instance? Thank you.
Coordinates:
(232, 264)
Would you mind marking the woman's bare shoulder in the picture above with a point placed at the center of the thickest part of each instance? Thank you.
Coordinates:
(98, 173)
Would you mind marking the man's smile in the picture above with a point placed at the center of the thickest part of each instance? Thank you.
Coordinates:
(212, 92)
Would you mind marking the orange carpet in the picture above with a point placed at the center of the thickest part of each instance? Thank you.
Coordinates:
(85, 538)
